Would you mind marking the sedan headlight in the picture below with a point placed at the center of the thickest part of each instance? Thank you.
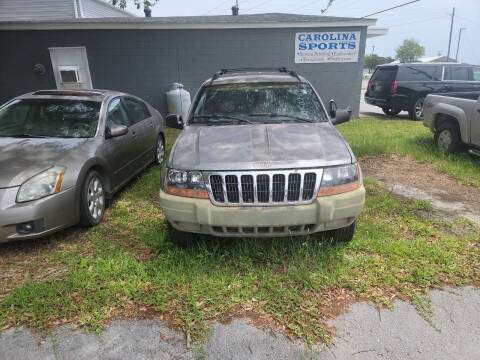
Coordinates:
(340, 179)
(185, 183)
(41, 185)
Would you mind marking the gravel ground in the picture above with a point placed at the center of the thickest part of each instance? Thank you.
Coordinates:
(362, 333)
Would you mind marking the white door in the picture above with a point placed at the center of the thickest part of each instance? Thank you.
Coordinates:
(70, 68)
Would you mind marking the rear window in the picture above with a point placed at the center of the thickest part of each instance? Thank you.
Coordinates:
(457, 73)
(386, 74)
(420, 73)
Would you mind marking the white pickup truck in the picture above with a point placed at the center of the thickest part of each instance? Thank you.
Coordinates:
(454, 118)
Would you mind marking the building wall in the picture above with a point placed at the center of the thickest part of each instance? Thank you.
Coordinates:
(98, 8)
(146, 62)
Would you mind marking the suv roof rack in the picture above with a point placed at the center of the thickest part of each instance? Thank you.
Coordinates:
(282, 69)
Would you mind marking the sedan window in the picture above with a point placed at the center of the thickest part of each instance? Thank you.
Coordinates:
(136, 109)
(49, 118)
(116, 114)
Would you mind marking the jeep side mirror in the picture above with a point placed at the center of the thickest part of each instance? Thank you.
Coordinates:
(332, 108)
(115, 131)
(174, 121)
(341, 116)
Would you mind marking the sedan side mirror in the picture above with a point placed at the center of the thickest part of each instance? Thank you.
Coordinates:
(341, 116)
(332, 108)
(115, 131)
(174, 121)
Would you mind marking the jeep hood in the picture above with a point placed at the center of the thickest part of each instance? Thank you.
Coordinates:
(258, 147)
(20, 159)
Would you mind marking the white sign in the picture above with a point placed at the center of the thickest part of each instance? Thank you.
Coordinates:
(324, 47)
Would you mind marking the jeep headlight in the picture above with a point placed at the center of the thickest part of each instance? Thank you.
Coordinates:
(185, 183)
(46, 183)
(340, 179)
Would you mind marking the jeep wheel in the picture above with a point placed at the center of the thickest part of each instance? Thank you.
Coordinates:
(390, 111)
(180, 238)
(416, 110)
(448, 138)
(344, 234)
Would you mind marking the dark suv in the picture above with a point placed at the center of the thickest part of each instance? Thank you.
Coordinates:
(397, 87)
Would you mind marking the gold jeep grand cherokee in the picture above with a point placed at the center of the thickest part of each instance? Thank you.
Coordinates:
(259, 157)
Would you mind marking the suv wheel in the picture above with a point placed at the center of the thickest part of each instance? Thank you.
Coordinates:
(180, 238)
(92, 200)
(390, 111)
(448, 138)
(416, 111)
(344, 234)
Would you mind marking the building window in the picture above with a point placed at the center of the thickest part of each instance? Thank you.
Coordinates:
(69, 74)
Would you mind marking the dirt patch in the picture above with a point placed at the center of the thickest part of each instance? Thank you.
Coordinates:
(421, 181)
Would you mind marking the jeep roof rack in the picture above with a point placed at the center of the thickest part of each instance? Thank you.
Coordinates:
(282, 69)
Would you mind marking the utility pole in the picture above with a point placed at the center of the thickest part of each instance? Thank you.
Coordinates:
(373, 49)
(450, 38)
(458, 45)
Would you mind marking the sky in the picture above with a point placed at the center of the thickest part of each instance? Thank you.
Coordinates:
(427, 21)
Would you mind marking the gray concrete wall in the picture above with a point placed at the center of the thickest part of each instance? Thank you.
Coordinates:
(145, 62)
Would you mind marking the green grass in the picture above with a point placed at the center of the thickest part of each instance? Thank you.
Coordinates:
(377, 136)
(127, 268)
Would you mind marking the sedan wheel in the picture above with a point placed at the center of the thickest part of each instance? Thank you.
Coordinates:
(96, 198)
(92, 206)
(160, 153)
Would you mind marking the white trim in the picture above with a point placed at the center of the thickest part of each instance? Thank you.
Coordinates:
(75, 9)
(376, 31)
(148, 24)
(80, 8)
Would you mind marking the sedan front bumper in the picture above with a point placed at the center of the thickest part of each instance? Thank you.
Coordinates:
(201, 216)
(47, 215)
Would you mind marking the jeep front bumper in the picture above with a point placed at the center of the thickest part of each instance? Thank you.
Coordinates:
(201, 216)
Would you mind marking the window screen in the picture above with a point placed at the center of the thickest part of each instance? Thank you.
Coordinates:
(420, 73)
(69, 76)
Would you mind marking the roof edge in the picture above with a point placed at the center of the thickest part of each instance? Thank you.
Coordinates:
(150, 23)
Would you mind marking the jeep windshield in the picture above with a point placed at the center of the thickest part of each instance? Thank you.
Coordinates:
(40, 118)
(257, 103)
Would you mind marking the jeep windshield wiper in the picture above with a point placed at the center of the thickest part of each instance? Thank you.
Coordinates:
(282, 115)
(222, 116)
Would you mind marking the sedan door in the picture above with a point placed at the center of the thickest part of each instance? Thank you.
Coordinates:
(145, 128)
(121, 151)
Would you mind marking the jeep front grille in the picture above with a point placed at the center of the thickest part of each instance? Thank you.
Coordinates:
(263, 188)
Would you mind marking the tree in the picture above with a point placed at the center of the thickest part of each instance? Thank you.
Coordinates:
(372, 60)
(409, 51)
(122, 4)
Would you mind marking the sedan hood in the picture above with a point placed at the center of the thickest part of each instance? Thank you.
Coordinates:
(20, 159)
(261, 146)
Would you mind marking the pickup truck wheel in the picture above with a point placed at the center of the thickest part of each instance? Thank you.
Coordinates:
(416, 110)
(343, 234)
(448, 138)
(390, 111)
(180, 238)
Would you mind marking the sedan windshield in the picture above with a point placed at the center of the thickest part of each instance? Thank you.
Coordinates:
(257, 103)
(49, 118)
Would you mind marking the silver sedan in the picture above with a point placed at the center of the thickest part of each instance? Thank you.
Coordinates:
(63, 154)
